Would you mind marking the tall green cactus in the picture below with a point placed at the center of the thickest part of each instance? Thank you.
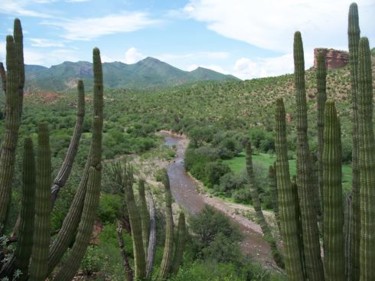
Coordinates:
(180, 244)
(354, 224)
(307, 192)
(321, 83)
(366, 162)
(71, 221)
(277, 257)
(25, 234)
(13, 106)
(333, 216)
(41, 236)
(166, 262)
(286, 200)
(135, 223)
(145, 216)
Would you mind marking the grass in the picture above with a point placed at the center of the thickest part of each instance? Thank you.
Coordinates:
(264, 160)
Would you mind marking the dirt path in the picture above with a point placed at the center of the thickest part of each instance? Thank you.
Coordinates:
(188, 194)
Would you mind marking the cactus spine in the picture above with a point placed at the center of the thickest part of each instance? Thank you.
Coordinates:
(313, 262)
(333, 216)
(353, 36)
(286, 200)
(41, 237)
(366, 162)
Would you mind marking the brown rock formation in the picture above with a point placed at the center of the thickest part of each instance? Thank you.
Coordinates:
(334, 58)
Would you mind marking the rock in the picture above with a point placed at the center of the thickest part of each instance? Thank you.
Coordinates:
(334, 58)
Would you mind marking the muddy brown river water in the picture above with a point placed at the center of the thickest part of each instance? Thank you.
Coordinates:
(185, 192)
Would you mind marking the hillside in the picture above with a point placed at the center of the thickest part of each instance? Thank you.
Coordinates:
(145, 74)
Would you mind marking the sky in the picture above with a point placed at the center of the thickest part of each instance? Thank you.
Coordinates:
(245, 38)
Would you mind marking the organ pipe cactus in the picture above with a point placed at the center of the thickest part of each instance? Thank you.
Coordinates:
(41, 236)
(13, 108)
(181, 239)
(321, 82)
(166, 262)
(354, 224)
(333, 216)
(145, 216)
(43, 258)
(286, 200)
(307, 192)
(366, 162)
(258, 208)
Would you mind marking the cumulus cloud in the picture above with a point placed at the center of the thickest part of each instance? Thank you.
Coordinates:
(90, 28)
(270, 24)
(132, 55)
(246, 68)
(34, 56)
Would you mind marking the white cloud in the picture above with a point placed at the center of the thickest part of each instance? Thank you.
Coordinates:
(132, 55)
(90, 28)
(55, 56)
(77, 1)
(45, 43)
(19, 8)
(246, 68)
(270, 24)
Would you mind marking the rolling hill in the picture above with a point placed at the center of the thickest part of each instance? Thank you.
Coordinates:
(145, 74)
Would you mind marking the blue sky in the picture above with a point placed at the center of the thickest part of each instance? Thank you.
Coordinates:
(246, 38)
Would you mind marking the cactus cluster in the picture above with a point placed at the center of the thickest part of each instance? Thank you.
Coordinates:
(346, 256)
(139, 216)
(36, 254)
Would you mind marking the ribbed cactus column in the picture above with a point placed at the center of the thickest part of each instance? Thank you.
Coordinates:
(333, 216)
(166, 262)
(11, 123)
(366, 162)
(307, 192)
(286, 200)
(277, 257)
(321, 82)
(66, 167)
(18, 44)
(82, 240)
(135, 223)
(145, 216)
(353, 36)
(41, 237)
(180, 244)
(71, 221)
(25, 233)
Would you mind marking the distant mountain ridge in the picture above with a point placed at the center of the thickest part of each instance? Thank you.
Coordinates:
(145, 74)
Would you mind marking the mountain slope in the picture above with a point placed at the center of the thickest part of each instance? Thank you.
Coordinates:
(147, 73)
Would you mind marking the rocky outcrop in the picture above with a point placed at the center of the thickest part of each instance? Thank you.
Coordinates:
(334, 58)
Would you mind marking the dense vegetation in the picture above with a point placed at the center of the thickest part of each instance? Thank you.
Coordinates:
(217, 117)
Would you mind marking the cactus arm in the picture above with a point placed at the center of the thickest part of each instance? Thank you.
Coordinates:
(3, 77)
(11, 123)
(128, 270)
(18, 44)
(25, 236)
(145, 216)
(277, 257)
(67, 164)
(41, 237)
(166, 262)
(366, 162)
(313, 262)
(333, 216)
(71, 221)
(135, 223)
(321, 82)
(354, 224)
(71, 265)
(180, 244)
(286, 200)
(152, 237)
